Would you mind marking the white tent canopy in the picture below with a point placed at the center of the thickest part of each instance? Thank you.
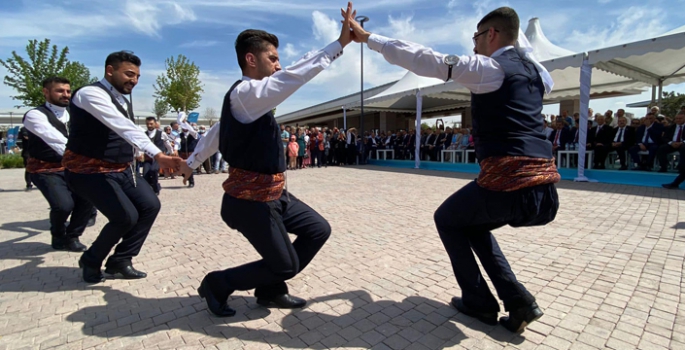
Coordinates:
(401, 96)
(543, 49)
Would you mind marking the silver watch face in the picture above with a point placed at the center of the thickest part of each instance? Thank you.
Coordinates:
(451, 60)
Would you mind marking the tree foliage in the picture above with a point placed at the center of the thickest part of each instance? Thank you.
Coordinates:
(180, 86)
(161, 108)
(671, 103)
(26, 75)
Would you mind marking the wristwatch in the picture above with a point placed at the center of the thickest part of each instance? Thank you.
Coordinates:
(450, 61)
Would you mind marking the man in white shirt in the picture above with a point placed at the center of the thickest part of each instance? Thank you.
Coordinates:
(150, 166)
(256, 202)
(507, 87)
(673, 142)
(47, 128)
(99, 158)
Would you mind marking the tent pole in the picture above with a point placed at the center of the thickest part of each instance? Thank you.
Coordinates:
(661, 88)
(417, 146)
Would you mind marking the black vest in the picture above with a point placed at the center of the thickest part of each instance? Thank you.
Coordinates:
(157, 140)
(36, 147)
(187, 143)
(254, 147)
(508, 122)
(91, 138)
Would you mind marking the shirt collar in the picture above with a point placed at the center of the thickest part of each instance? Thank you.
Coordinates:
(501, 50)
(112, 89)
(56, 109)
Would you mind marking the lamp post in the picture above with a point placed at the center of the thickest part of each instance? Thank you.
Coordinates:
(361, 20)
(11, 121)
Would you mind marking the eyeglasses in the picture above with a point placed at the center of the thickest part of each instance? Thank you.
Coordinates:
(481, 33)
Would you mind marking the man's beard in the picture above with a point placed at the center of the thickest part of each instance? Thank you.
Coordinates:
(60, 103)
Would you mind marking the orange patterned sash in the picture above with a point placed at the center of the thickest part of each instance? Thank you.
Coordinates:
(254, 186)
(79, 164)
(37, 166)
(508, 174)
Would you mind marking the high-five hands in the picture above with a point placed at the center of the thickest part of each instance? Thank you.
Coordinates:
(358, 34)
(346, 35)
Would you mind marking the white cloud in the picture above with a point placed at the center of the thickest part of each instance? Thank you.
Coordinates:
(199, 43)
(622, 26)
(290, 51)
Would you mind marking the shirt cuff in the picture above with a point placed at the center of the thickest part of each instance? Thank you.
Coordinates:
(376, 42)
(151, 150)
(192, 162)
(333, 50)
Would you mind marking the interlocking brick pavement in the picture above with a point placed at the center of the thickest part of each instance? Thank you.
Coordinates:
(607, 272)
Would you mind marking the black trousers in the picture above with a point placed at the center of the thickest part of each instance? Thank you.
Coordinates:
(27, 176)
(465, 221)
(266, 226)
(63, 202)
(151, 175)
(651, 148)
(318, 155)
(600, 157)
(131, 211)
(664, 150)
(621, 151)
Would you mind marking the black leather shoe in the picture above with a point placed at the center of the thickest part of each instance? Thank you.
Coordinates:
(217, 306)
(91, 275)
(283, 301)
(485, 317)
(72, 245)
(126, 272)
(191, 185)
(91, 221)
(520, 318)
(670, 186)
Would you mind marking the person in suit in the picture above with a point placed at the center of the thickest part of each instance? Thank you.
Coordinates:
(560, 136)
(599, 140)
(624, 139)
(648, 138)
(672, 142)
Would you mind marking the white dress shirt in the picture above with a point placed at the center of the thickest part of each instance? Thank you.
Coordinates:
(646, 138)
(252, 98)
(37, 123)
(98, 103)
(480, 74)
(183, 123)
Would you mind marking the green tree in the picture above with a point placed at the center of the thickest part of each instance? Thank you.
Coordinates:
(161, 108)
(671, 102)
(26, 76)
(180, 86)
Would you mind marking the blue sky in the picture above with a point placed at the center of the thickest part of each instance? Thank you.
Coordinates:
(204, 31)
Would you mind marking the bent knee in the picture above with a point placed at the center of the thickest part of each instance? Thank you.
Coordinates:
(286, 269)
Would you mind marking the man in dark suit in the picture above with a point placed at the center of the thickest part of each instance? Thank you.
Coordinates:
(599, 140)
(559, 137)
(624, 139)
(648, 138)
(672, 142)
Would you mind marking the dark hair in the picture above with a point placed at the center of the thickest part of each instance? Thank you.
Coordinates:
(505, 20)
(253, 41)
(116, 58)
(150, 118)
(173, 123)
(52, 80)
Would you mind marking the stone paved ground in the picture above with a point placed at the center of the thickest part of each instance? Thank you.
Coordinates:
(607, 272)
